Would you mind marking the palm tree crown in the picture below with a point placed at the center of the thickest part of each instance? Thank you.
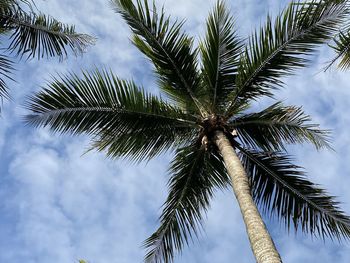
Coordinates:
(33, 35)
(210, 88)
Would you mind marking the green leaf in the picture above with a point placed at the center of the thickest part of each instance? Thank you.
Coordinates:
(170, 50)
(122, 118)
(195, 174)
(41, 36)
(342, 48)
(277, 49)
(220, 56)
(6, 69)
(276, 125)
(281, 188)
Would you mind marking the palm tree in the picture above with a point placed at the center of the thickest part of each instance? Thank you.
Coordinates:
(33, 35)
(208, 121)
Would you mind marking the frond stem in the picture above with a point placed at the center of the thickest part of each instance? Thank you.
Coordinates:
(106, 109)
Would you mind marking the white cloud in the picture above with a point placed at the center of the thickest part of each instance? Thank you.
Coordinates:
(71, 206)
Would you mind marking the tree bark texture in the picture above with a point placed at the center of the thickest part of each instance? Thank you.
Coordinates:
(262, 245)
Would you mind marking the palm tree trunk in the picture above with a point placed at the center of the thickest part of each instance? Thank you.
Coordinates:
(260, 240)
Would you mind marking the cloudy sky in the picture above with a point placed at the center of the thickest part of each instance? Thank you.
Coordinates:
(58, 204)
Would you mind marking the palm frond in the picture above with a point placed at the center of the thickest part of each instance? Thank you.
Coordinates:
(281, 188)
(142, 142)
(5, 73)
(278, 48)
(6, 4)
(276, 125)
(41, 36)
(17, 3)
(342, 48)
(123, 118)
(220, 56)
(170, 50)
(195, 175)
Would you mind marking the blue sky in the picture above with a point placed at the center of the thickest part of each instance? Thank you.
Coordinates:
(58, 204)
